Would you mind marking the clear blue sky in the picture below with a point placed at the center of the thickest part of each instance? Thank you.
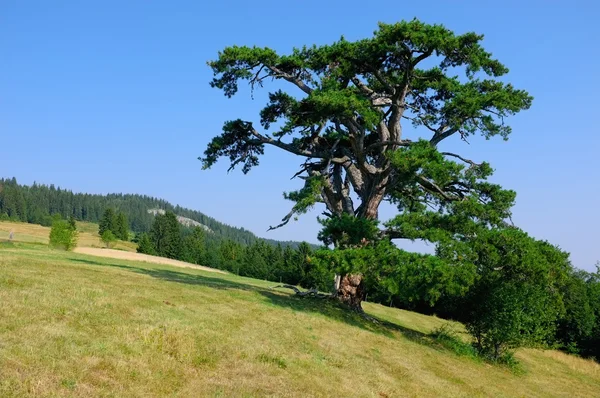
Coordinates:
(113, 96)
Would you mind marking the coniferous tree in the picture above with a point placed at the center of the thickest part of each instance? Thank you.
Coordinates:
(108, 221)
(166, 236)
(37, 203)
(145, 245)
(344, 108)
(121, 230)
(230, 256)
(72, 223)
(194, 247)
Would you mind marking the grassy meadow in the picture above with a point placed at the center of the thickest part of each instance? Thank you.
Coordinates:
(72, 325)
(31, 233)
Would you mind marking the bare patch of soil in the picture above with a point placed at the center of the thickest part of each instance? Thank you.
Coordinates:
(123, 255)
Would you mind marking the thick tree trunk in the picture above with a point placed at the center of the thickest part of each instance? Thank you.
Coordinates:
(371, 201)
(349, 289)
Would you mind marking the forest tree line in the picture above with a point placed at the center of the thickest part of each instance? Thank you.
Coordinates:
(260, 260)
(37, 204)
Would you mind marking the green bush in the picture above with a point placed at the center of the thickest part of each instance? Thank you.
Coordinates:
(63, 234)
(108, 238)
(516, 300)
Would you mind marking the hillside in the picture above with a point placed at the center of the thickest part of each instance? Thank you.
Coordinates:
(74, 325)
(186, 222)
(32, 233)
(36, 203)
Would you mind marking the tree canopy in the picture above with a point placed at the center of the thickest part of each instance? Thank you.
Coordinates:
(345, 115)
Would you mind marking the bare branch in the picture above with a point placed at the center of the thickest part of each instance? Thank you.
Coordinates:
(309, 293)
(284, 220)
(263, 139)
(472, 163)
(292, 79)
(441, 135)
(302, 170)
(363, 87)
(433, 187)
(392, 234)
(421, 57)
(377, 99)
(388, 142)
(390, 89)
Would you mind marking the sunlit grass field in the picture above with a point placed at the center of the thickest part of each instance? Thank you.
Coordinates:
(75, 325)
(31, 233)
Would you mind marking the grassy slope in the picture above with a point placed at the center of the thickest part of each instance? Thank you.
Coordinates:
(72, 325)
(31, 233)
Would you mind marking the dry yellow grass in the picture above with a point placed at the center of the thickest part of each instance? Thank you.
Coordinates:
(75, 325)
(31, 233)
(23, 232)
(121, 255)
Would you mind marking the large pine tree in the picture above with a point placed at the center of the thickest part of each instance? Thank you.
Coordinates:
(344, 109)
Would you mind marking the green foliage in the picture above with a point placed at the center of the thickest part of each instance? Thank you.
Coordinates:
(578, 331)
(388, 59)
(348, 231)
(63, 234)
(116, 223)
(72, 223)
(591, 345)
(108, 222)
(394, 274)
(345, 119)
(166, 236)
(515, 300)
(577, 325)
(194, 247)
(13, 205)
(230, 256)
(121, 227)
(43, 201)
(108, 238)
(145, 245)
(469, 202)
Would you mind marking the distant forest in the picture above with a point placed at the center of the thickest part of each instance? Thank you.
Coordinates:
(37, 204)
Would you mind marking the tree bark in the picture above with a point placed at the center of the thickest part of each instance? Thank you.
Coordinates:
(350, 290)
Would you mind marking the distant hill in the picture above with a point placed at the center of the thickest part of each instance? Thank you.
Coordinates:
(38, 202)
(186, 222)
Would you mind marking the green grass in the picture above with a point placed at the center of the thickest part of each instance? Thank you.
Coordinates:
(72, 325)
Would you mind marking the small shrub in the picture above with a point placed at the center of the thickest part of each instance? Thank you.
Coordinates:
(63, 234)
(108, 238)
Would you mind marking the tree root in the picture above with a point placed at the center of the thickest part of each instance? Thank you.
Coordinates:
(369, 318)
(315, 293)
(308, 293)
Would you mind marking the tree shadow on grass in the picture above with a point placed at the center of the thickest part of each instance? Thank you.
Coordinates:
(326, 307)
(175, 276)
